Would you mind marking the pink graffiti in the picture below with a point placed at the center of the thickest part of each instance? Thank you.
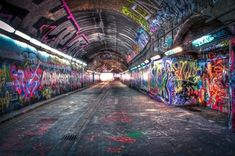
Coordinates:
(232, 56)
(71, 17)
(232, 86)
(26, 81)
(122, 139)
(48, 29)
(85, 38)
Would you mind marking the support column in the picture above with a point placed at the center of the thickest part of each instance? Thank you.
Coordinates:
(232, 85)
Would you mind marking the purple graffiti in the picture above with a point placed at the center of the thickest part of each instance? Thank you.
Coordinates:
(26, 81)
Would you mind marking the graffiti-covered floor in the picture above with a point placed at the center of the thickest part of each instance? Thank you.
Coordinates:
(112, 119)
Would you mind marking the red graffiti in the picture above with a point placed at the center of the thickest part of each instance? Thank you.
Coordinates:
(114, 149)
(215, 84)
(232, 85)
(26, 80)
(122, 139)
(117, 117)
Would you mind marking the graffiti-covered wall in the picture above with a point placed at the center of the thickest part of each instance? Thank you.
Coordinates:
(174, 80)
(232, 84)
(196, 78)
(214, 81)
(28, 75)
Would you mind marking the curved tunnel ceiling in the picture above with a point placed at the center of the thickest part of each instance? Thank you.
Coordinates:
(114, 31)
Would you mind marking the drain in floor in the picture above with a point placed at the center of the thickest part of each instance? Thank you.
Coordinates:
(70, 137)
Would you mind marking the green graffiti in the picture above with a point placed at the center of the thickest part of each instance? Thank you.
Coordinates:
(136, 17)
(134, 135)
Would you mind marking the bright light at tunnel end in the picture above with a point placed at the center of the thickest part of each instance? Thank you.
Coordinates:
(106, 77)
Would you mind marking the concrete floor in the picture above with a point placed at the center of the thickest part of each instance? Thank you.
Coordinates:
(112, 119)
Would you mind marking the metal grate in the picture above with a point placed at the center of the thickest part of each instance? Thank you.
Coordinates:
(70, 137)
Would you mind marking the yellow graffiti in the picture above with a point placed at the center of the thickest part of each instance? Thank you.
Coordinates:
(136, 17)
(5, 101)
(47, 93)
(5, 96)
(2, 76)
(186, 70)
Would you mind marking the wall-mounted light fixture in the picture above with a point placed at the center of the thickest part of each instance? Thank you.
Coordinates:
(156, 57)
(22, 35)
(203, 40)
(174, 51)
(146, 61)
(6, 27)
(35, 42)
(133, 68)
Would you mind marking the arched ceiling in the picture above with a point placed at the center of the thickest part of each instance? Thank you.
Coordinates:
(107, 34)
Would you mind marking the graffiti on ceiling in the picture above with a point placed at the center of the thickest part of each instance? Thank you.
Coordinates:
(82, 28)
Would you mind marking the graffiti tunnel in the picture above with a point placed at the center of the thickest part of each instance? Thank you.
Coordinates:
(117, 77)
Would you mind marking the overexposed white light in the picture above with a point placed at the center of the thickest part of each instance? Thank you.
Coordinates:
(145, 76)
(155, 57)
(146, 61)
(45, 46)
(126, 76)
(6, 27)
(89, 71)
(106, 77)
(23, 35)
(151, 110)
(35, 42)
(174, 51)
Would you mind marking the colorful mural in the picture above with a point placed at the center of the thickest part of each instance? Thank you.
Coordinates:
(137, 14)
(214, 81)
(232, 84)
(28, 76)
(188, 79)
